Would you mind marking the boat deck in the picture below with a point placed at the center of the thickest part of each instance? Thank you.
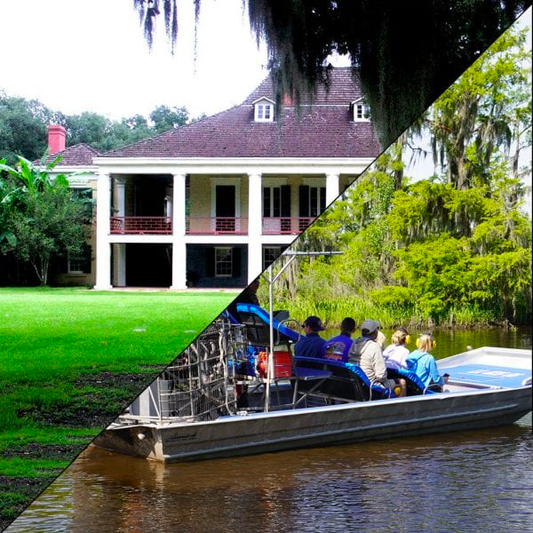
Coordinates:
(484, 376)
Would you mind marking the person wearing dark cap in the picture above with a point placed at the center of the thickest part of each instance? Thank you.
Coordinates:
(337, 347)
(312, 344)
(368, 354)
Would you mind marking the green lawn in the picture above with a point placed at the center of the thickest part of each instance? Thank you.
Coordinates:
(70, 360)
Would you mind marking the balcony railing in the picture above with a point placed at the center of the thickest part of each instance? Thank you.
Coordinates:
(141, 225)
(208, 225)
(285, 225)
(216, 226)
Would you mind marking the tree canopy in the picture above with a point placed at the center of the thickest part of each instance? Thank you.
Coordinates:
(405, 53)
(23, 127)
(453, 249)
(39, 218)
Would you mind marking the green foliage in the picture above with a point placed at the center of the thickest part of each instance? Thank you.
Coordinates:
(300, 37)
(487, 108)
(23, 128)
(434, 271)
(40, 219)
(166, 118)
(394, 297)
(451, 249)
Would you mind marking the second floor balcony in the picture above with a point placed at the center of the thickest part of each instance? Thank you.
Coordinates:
(216, 226)
(141, 225)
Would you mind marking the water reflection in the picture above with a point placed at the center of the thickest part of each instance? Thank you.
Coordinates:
(454, 482)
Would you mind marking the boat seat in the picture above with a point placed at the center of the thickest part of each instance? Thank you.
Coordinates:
(228, 316)
(257, 322)
(414, 384)
(347, 381)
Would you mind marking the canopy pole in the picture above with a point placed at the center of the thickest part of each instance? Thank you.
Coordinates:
(271, 279)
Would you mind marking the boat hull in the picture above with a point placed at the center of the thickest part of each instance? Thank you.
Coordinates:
(256, 433)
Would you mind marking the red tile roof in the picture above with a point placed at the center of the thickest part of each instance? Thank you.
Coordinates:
(323, 128)
(78, 155)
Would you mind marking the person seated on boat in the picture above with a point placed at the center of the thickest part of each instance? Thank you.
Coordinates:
(247, 296)
(337, 347)
(423, 364)
(312, 344)
(396, 353)
(366, 353)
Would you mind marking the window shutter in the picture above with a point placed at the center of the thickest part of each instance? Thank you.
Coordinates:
(285, 200)
(304, 201)
(266, 202)
(322, 199)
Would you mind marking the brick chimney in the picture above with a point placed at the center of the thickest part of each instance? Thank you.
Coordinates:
(287, 99)
(56, 138)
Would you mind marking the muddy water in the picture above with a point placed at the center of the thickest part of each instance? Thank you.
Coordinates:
(467, 481)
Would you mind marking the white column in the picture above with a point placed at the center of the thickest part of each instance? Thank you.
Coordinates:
(179, 249)
(255, 226)
(120, 201)
(332, 187)
(120, 264)
(103, 247)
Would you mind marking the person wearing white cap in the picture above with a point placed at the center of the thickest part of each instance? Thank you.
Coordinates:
(368, 354)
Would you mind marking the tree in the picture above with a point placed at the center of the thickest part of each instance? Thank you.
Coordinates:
(23, 127)
(455, 247)
(43, 219)
(399, 82)
(104, 134)
(165, 118)
(88, 127)
(487, 108)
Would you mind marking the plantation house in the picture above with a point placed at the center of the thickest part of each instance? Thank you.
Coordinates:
(212, 203)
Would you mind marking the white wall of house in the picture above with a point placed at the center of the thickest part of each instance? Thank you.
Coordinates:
(249, 176)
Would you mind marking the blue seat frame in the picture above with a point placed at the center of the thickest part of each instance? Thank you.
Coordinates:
(415, 386)
(347, 381)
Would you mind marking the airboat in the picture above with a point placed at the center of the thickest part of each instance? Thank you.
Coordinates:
(238, 390)
(217, 400)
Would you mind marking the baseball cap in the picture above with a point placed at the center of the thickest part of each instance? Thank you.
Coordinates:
(369, 326)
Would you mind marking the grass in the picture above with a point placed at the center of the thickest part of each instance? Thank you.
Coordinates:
(332, 312)
(70, 361)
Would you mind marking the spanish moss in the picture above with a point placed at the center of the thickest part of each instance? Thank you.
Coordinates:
(405, 53)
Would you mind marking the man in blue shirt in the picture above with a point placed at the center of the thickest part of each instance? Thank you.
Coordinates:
(312, 344)
(337, 347)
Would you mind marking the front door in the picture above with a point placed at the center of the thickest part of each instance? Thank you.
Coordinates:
(225, 208)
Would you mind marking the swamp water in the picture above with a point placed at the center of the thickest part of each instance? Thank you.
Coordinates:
(478, 480)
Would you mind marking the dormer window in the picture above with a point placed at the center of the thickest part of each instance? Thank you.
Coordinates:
(361, 111)
(263, 110)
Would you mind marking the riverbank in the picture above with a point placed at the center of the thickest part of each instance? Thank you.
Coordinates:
(333, 311)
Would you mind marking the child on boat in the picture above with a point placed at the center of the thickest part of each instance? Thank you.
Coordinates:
(396, 353)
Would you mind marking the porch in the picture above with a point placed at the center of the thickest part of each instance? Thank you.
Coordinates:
(142, 225)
